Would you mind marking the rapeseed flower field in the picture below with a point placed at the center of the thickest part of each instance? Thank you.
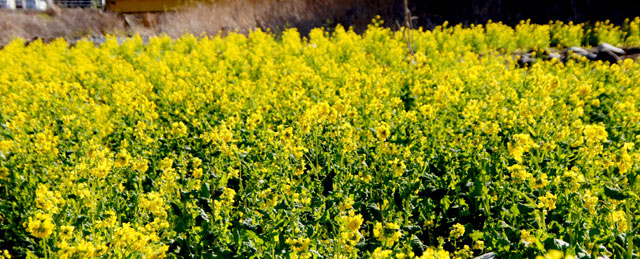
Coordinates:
(335, 145)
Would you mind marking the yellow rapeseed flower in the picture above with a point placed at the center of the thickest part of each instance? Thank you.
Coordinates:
(382, 131)
(354, 222)
(228, 195)
(299, 244)
(457, 231)
(435, 253)
(590, 202)
(380, 253)
(197, 173)
(548, 201)
(178, 129)
(594, 134)
(388, 233)
(66, 232)
(4, 173)
(346, 204)
(526, 236)
(619, 218)
(41, 225)
(554, 254)
(4, 254)
(478, 245)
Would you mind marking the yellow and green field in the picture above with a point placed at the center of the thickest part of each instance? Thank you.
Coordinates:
(335, 145)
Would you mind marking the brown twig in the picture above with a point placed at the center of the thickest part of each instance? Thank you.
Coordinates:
(408, 26)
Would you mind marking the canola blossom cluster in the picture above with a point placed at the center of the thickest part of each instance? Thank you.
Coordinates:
(332, 145)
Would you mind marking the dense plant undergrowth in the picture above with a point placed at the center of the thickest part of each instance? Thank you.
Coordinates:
(338, 145)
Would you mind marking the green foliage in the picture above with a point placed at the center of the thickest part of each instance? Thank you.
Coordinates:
(334, 145)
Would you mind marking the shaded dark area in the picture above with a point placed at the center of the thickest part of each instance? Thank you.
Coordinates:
(428, 14)
(305, 15)
(432, 13)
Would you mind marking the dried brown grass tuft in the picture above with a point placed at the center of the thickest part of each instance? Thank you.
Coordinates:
(71, 23)
(242, 16)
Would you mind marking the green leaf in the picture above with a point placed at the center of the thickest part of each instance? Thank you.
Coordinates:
(412, 229)
(514, 210)
(374, 211)
(476, 235)
(525, 209)
(614, 193)
(253, 237)
(203, 215)
(417, 245)
(318, 255)
(205, 190)
(636, 184)
(557, 244)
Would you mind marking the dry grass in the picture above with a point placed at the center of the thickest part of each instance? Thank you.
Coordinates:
(220, 16)
(275, 15)
(71, 23)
